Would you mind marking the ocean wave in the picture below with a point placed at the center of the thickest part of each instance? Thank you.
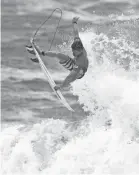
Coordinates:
(26, 74)
(108, 92)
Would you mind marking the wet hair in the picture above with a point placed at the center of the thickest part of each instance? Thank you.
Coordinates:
(77, 45)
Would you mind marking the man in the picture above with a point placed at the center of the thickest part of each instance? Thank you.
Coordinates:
(77, 65)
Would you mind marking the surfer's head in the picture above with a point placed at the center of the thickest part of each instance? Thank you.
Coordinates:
(77, 48)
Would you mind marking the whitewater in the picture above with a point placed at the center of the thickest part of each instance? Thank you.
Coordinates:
(110, 94)
(106, 141)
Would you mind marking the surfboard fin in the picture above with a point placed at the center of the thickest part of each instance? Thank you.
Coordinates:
(35, 60)
(30, 49)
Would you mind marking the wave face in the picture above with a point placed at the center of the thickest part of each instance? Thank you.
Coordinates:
(105, 142)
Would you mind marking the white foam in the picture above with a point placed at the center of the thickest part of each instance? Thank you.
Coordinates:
(25, 149)
(108, 92)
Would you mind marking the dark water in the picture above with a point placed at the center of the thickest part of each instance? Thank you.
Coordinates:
(23, 85)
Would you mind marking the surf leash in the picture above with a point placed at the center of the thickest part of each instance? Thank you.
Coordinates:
(49, 17)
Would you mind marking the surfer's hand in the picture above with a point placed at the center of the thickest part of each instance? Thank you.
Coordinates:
(74, 20)
(57, 87)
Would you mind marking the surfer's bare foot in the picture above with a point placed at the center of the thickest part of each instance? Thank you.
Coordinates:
(34, 60)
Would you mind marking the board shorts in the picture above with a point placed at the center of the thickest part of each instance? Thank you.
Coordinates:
(71, 65)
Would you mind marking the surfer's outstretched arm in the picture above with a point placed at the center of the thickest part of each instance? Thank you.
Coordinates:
(75, 27)
(60, 56)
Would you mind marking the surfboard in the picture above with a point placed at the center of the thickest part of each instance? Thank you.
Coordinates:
(50, 80)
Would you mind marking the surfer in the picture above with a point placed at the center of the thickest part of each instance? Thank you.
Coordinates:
(77, 65)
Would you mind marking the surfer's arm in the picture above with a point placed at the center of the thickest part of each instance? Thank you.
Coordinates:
(75, 27)
(48, 53)
(59, 55)
(52, 54)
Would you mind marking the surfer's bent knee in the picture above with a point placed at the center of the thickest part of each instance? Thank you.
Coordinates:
(80, 71)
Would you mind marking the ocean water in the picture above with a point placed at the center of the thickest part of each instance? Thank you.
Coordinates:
(38, 134)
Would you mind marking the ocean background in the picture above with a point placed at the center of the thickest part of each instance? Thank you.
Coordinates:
(39, 136)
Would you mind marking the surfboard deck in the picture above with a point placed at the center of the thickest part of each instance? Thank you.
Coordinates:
(50, 80)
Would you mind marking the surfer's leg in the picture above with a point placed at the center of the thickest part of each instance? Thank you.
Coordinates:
(81, 73)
